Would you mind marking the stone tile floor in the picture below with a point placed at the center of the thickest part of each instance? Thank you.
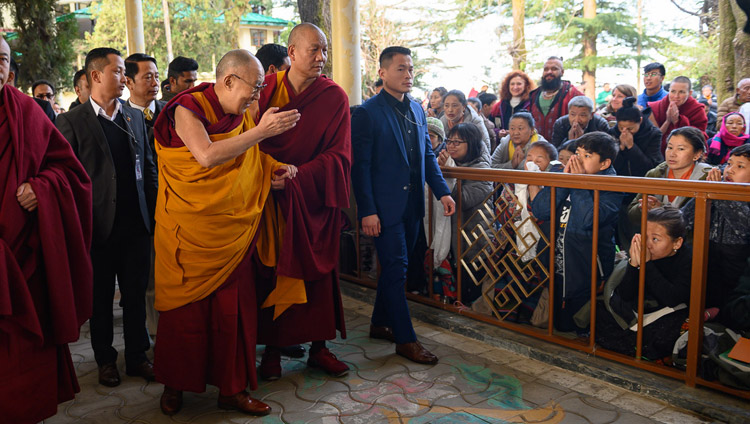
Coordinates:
(473, 383)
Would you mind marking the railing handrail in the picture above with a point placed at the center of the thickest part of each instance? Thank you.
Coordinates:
(702, 191)
(689, 188)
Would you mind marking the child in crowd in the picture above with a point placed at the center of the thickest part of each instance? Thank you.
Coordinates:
(729, 233)
(731, 135)
(667, 284)
(567, 150)
(594, 155)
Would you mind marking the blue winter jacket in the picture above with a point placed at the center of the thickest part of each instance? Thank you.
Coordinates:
(576, 278)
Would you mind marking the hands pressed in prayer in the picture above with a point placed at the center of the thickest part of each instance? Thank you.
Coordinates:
(651, 202)
(518, 157)
(575, 131)
(673, 113)
(626, 140)
(574, 166)
(635, 252)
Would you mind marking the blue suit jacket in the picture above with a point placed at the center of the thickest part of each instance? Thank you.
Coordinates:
(380, 168)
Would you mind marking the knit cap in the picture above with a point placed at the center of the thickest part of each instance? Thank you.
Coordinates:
(436, 126)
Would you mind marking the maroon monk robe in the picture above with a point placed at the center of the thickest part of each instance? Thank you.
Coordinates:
(320, 146)
(45, 268)
(211, 341)
(692, 114)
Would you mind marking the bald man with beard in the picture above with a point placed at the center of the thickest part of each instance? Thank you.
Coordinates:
(298, 285)
(213, 184)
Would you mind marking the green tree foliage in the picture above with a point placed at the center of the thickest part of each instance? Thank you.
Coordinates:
(201, 29)
(613, 26)
(42, 46)
(379, 32)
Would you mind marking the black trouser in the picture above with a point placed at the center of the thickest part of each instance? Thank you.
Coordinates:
(126, 255)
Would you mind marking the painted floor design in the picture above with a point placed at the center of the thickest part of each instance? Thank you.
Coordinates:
(472, 383)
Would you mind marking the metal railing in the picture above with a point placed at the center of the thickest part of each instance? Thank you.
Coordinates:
(703, 192)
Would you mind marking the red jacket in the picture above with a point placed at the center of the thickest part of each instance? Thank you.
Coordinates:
(558, 108)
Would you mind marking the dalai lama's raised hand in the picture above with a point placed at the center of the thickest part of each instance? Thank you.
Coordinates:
(26, 197)
(449, 205)
(278, 182)
(274, 122)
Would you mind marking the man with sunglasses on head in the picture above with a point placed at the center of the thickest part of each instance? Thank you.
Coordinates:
(43, 90)
(653, 78)
(393, 158)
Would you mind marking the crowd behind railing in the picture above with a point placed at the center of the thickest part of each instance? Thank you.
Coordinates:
(553, 128)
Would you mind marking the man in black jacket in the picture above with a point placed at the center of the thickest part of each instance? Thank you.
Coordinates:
(109, 138)
(142, 79)
(580, 120)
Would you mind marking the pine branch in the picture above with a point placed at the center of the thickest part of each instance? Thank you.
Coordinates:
(674, 2)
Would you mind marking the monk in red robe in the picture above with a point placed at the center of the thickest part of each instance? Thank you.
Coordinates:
(213, 184)
(298, 287)
(46, 279)
(679, 109)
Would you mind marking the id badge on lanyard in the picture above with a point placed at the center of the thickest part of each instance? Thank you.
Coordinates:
(138, 171)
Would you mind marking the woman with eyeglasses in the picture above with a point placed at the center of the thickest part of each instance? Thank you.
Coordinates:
(464, 144)
(456, 111)
(513, 148)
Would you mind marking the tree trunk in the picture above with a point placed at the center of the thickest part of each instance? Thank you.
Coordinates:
(589, 51)
(318, 12)
(741, 45)
(640, 45)
(518, 49)
(167, 30)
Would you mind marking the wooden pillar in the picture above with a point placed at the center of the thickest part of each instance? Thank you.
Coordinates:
(347, 71)
(134, 27)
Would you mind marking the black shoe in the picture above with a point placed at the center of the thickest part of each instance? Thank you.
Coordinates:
(145, 369)
(108, 375)
(293, 351)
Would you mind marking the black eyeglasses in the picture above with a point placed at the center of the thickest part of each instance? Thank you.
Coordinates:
(454, 142)
(651, 75)
(48, 96)
(256, 88)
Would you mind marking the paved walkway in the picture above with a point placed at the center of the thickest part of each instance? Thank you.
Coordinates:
(473, 383)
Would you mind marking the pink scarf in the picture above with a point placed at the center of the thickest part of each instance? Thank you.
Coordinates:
(728, 139)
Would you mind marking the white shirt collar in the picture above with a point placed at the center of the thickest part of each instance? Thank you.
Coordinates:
(151, 106)
(98, 110)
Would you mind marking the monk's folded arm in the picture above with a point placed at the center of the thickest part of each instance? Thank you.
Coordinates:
(211, 153)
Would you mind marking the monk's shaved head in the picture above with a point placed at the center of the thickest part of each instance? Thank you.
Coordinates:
(304, 31)
(238, 61)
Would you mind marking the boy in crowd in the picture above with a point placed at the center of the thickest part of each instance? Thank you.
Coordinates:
(595, 153)
(729, 232)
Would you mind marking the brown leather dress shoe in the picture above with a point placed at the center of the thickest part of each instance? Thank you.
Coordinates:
(244, 403)
(145, 369)
(171, 401)
(108, 375)
(414, 351)
(383, 333)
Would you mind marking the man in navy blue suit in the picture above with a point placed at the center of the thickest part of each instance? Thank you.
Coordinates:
(392, 159)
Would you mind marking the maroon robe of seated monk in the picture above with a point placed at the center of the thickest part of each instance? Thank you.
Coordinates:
(310, 205)
(692, 114)
(46, 279)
